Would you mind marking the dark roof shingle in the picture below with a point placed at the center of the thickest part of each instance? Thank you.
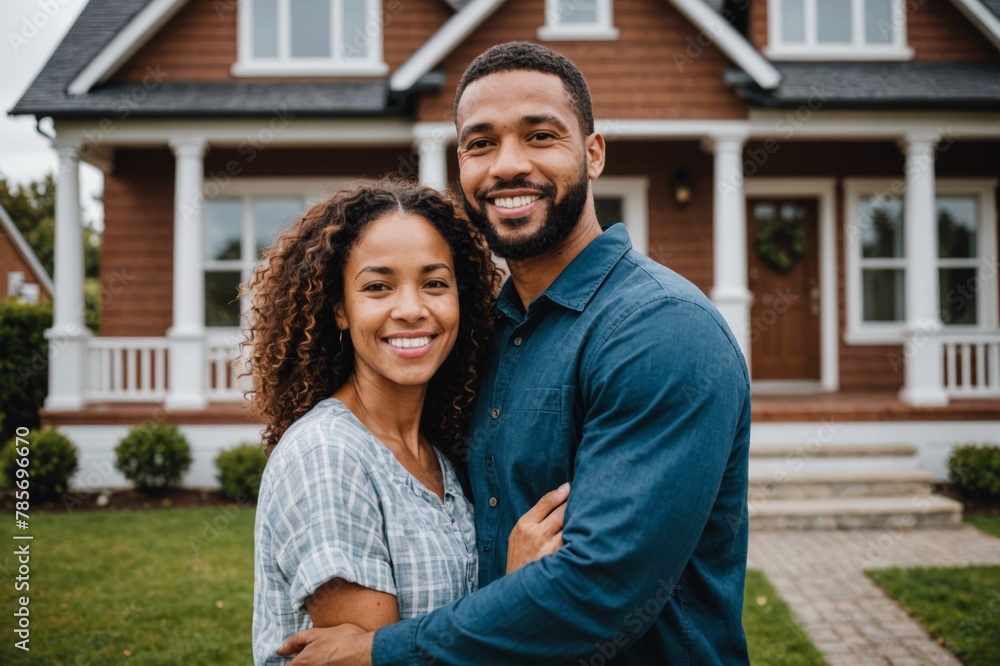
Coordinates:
(877, 85)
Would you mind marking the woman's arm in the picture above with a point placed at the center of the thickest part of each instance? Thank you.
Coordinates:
(339, 602)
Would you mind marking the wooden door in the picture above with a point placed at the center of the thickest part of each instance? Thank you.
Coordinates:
(785, 315)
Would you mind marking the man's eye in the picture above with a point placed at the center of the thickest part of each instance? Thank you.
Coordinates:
(478, 144)
(543, 136)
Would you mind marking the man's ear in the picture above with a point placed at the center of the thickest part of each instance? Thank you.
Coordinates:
(339, 316)
(595, 155)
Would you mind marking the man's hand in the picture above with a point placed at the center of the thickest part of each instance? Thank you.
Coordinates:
(343, 645)
(539, 531)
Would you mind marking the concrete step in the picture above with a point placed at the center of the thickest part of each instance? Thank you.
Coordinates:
(794, 459)
(823, 485)
(904, 512)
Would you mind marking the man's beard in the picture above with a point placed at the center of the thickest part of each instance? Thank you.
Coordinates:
(562, 219)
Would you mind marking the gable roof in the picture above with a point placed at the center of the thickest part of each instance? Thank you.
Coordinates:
(10, 230)
(984, 14)
(472, 15)
(96, 37)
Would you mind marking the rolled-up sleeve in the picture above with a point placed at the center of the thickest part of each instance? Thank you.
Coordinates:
(666, 395)
(325, 522)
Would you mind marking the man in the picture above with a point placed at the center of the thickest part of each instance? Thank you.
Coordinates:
(607, 370)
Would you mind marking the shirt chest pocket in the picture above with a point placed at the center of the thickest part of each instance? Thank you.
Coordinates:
(542, 436)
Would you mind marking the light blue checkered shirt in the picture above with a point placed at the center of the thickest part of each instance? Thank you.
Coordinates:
(335, 503)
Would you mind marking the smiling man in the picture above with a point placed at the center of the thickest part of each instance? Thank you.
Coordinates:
(607, 370)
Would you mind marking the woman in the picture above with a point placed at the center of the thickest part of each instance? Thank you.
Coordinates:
(370, 319)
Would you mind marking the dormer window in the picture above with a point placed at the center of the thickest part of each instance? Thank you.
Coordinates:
(837, 30)
(578, 19)
(310, 37)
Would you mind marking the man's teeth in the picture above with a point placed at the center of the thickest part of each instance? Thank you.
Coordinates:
(514, 202)
(409, 343)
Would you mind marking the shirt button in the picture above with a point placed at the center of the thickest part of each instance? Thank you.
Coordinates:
(452, 521)
(493, 501)
(518, 341)
(489, 461)
(486, 549)
(495, 413)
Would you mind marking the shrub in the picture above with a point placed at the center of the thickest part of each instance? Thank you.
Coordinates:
(24, 363)
(975, 470)
(52, 460)
(153, 456)
(240, 469)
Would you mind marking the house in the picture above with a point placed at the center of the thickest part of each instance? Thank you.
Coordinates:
(21, 273)
(826, 172)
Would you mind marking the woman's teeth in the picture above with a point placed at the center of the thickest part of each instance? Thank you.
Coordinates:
(409, 343)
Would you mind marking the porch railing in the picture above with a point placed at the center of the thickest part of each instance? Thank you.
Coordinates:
(126, 369)
(972, 364)
(136, 370)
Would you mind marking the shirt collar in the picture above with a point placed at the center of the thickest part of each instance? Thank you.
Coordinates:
(579, 281)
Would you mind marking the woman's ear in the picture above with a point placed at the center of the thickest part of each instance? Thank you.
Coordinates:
(340, 317)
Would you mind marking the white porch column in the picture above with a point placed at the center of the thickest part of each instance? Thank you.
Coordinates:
(68, 335)
(729, 261)
(187, 372)
(431, 142)
(922, 349)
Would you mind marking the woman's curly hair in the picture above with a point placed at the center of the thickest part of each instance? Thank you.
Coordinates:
(292, 344)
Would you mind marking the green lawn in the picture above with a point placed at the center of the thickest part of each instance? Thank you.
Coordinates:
(175, 586)
(988, 524)
(960, 605)
(772, 635)
(147, 587)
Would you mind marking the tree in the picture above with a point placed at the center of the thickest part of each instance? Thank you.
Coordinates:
(32, 207)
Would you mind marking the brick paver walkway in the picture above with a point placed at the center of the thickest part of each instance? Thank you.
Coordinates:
(849, 619)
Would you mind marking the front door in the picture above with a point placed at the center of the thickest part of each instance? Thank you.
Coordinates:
(785, 315)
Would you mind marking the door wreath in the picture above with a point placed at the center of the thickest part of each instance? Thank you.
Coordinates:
(781, 244)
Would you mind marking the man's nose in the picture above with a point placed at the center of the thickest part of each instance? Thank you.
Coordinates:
(511, 161)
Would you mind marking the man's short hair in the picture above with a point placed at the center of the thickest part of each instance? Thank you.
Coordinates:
(518, 56)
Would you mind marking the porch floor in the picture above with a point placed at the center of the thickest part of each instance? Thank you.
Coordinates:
(865, 406)
(769, 408)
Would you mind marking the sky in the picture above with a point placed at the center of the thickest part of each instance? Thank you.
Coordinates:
(30, 30)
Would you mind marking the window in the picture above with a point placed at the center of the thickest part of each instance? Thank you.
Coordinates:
(578, 19)
(624, 199)
(876, 258)
(308, 37)
(837, 29)
(238, 226)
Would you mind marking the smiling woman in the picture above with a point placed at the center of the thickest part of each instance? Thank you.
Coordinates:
(369, 324)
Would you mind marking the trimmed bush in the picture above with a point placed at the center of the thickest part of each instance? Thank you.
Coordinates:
(975, 470)
(240, 469)
(52, 460)
(24, 363)
(153, 456)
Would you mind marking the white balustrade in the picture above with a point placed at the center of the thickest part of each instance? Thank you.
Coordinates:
(126, 369)
(136, 370)
(972, 365)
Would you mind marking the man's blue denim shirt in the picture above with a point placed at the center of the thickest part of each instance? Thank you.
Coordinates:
(623, 379)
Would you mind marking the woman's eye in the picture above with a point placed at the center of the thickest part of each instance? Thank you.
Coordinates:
(377, 286)
(437, 284)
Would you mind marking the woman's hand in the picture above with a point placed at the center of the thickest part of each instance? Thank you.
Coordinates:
(539, 531)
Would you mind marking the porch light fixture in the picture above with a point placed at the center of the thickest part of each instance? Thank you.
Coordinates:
(682, 188)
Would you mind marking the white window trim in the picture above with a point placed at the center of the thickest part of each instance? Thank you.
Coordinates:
(285, 65)
(858, 331)
(633, 191)
(246, 190)
(857, 50)
(602, 29)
